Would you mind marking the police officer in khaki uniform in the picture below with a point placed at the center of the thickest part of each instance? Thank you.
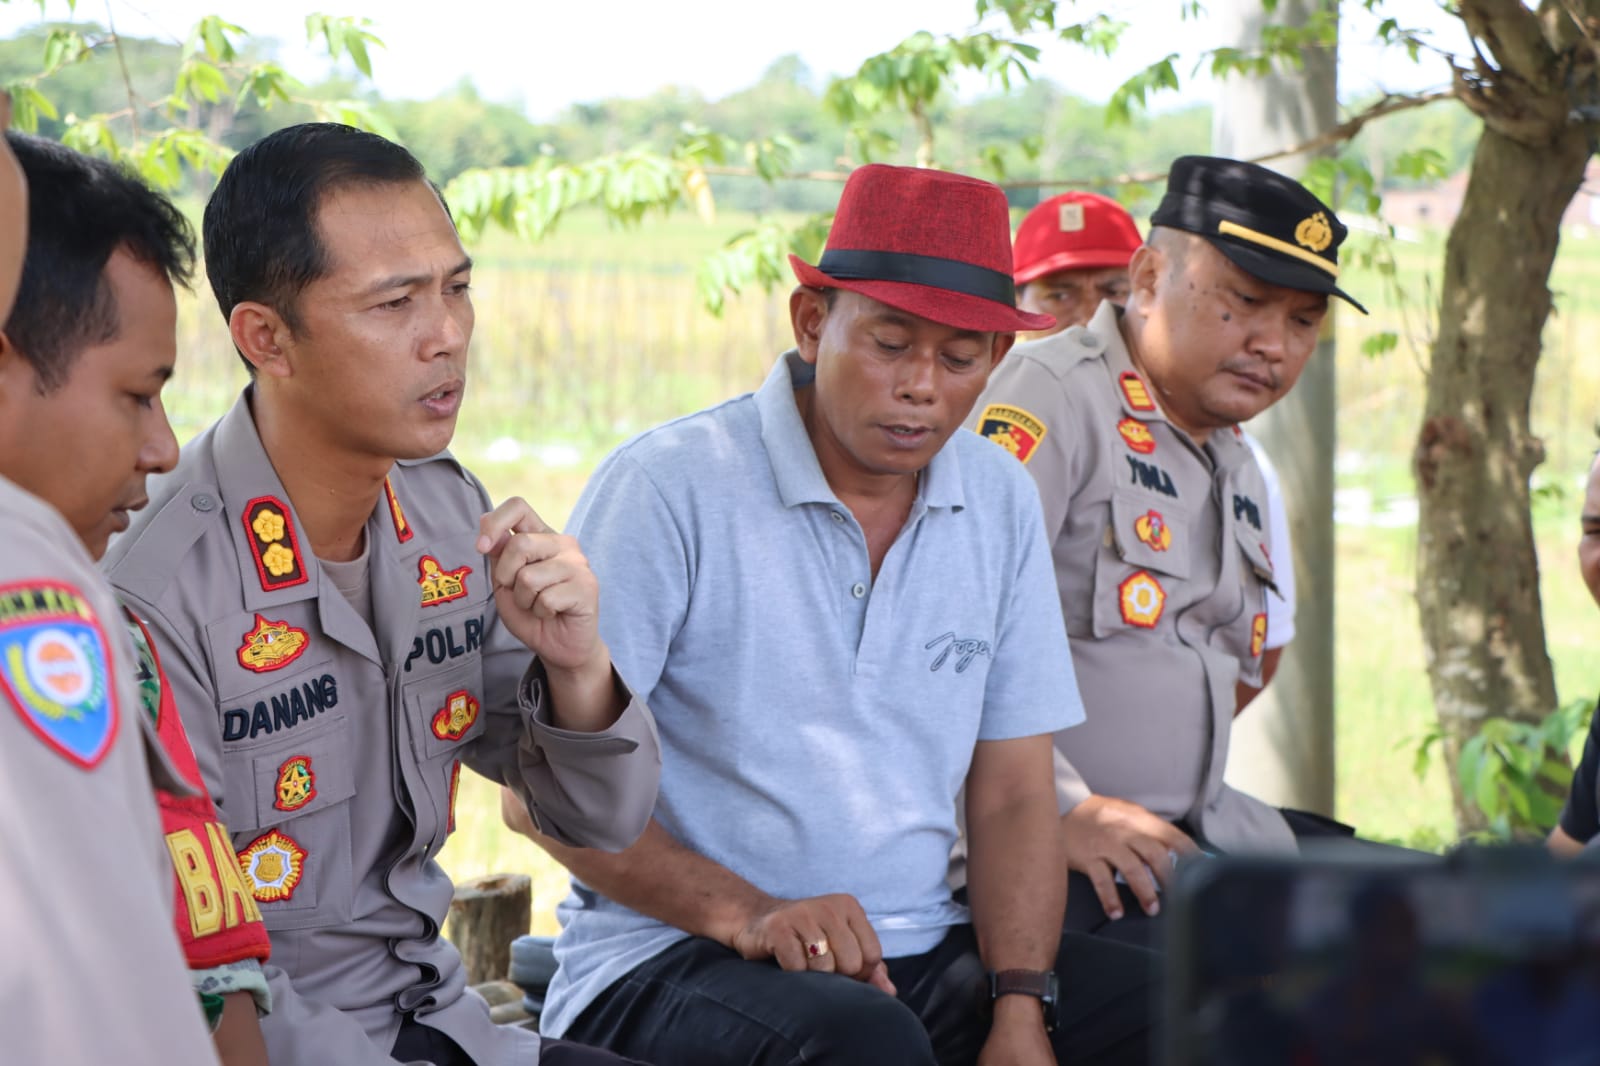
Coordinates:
(90, 970)
(345, 631)
(1156, 510)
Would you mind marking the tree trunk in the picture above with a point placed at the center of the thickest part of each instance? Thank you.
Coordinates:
(487, 914)
(1477, 569)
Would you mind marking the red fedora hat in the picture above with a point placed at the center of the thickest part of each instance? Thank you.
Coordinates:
(928, 242)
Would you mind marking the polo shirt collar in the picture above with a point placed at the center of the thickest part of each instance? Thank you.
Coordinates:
(795, 468)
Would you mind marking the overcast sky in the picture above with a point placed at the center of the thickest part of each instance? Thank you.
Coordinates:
(546, 55)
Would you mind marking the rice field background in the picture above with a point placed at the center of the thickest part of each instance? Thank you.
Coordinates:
(597, 333)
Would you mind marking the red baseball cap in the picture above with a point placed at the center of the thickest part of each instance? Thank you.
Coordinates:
(1074, 231)
(928, 242)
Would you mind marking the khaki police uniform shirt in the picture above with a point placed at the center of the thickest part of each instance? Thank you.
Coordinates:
(1163, 561)
(90, 970)
(334, 747)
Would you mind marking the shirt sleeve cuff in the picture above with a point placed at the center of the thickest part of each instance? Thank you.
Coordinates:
(624, 735)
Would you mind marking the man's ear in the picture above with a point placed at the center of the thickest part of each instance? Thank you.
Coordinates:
(261, 335)
(808, 310)
(1145, 272)
(1002, 345)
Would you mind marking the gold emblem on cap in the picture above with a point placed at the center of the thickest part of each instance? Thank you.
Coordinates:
(1314, 232)
(1071, 218)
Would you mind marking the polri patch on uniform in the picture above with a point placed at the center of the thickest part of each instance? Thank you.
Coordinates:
(55, 668)
(1153, 531)
(1137, 435)
(1136, 392)
(402, 528)
(296, 785)
(273, 865)
(1258, 635)
(272, 645)
(1015, 430)
(1142, 600)
(453, 720)
(438, 584)
(273, 544)
(455, 782)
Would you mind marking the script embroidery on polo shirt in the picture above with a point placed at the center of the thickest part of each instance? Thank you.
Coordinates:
(1017, 431)
(54, 669)
(1152, 477)
(438, 584)
(965, 649)
(1244, 507)
(272, 646)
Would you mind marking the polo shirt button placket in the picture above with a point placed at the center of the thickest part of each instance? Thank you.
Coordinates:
(838, 519)
(858, 590)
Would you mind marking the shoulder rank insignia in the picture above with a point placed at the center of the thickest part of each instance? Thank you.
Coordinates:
(54, 667)
(1153, 530)
(1014, 429)
(272, 646)
(455, 782)
(402, 529)
(1137, 435)
(438, 584)
(273, 544)
(296, 785)
(273, 865)
(1258, 634)
(452, 721)
(1142, 600)
(1135, 392)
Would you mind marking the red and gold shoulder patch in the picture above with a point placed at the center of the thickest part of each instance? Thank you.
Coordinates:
(296, 785)
(273, 865)
(1142, 600)
(455, 782)
(438, 584)
(452, 721)
(1137, 435)
(1135, 392)
(273, 543)
(272, 646)
(402, 528)
(1152, 530)
(1015, 430)
(1258, 634)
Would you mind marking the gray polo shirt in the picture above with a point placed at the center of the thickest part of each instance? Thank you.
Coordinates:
(816, 725)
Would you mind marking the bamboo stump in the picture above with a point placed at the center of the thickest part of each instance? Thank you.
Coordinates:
(487, 914)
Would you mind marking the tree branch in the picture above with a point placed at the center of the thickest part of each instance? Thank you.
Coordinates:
(1514, 36)
(127, 79)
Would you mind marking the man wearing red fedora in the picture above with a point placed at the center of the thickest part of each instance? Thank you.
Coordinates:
(841, 612)
(1163, 550)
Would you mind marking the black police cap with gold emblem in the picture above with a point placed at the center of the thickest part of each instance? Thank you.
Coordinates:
(1270, 226)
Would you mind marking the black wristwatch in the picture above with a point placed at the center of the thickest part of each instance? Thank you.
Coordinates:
(1042, 986)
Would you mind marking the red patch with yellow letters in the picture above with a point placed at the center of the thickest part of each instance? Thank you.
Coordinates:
(1137, 435)
(1258, 634)
(402, 528)
(438, 584)
(452, 721)
(1135, 392)
(272, 646)
(1142, 600)
(1152, 530)
(274, 546)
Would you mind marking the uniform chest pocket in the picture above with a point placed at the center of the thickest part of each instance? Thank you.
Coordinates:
(1146, 549)
(444, 710)
(289, 813)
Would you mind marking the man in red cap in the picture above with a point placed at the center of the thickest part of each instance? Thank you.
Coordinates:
(1071, 254)
(841, 611)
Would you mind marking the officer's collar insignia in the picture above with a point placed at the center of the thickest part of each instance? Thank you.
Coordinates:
(1153, 530)
(1135, 392)
(402, 528)
(273, 865)
(455, 782)
(1314, 232)
(438, 584)
(296, 785)
(1258, 634)
(1015, 430)
(273, 544)
(452, 721)
(1137, 435)
(54, 668)
(1141, 599)
(272, 646)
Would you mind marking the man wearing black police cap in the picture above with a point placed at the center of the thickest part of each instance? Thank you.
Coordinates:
(1156, 513)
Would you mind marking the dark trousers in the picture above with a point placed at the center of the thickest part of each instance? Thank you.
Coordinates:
(699, 1004)
(422, 1043)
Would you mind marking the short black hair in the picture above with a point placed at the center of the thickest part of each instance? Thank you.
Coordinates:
(81, 211)
(260, 227)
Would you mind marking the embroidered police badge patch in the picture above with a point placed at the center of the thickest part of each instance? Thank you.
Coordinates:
(296, 785)
(1142, 600)
(1135, 392)
(452, 721)
(273, 865)
(1152, 530)
(1137, 435)
(273, 544)
(1014, 429)
(272, 646)
(54, 666)
(438, 584)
